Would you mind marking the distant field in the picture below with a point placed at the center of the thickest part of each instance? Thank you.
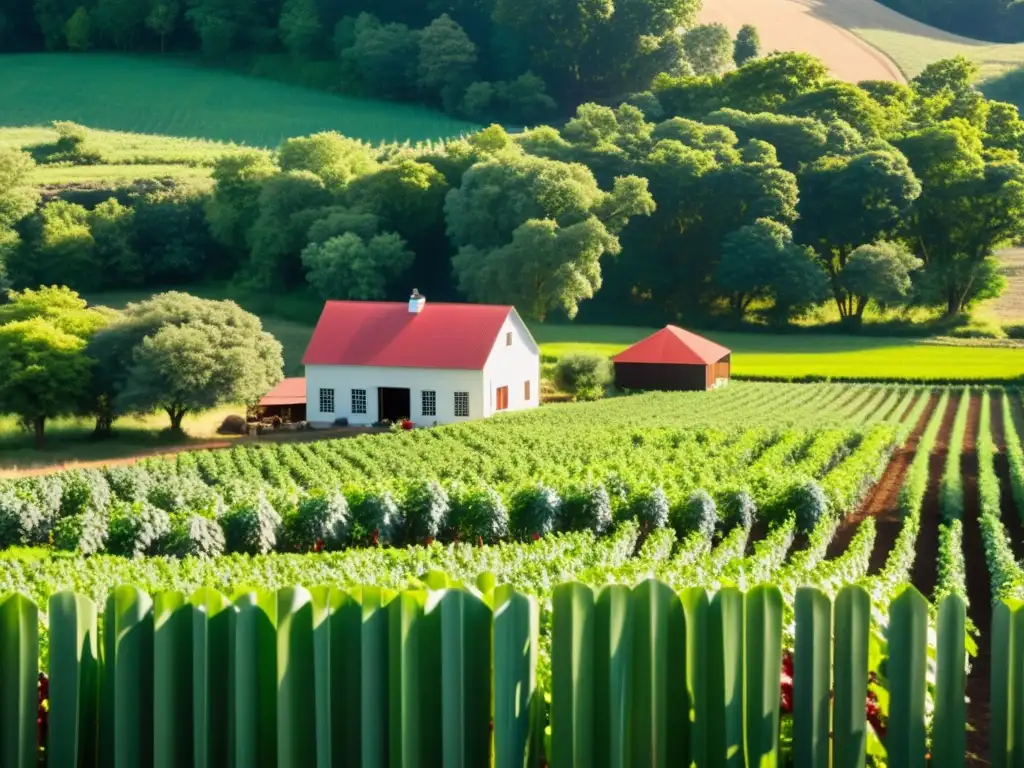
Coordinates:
(890, 46)
(1009, 308)
(154, 95)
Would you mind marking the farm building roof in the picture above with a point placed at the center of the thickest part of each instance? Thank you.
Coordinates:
(673, 345)
(288, 392)
(387, 334)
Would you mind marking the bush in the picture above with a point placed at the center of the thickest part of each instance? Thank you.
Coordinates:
(84, 490)
(20, 520)
(137, 530)
(85, 533)
(535, 511)
(380, 518)
(738, 508)
(651, 508)
(588, 509)
(583, 376)
(810, 503)
(195, 536)
(698, 514)
(233, 424)
(252, 528)
(480, 514)
(319, 521)
(128, 484)
(46, 491)
(426, 507)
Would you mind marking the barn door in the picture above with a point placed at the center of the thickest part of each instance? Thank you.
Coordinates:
(502, 399)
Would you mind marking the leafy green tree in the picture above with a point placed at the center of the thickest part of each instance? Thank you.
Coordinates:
(46, 373)
(18, 197)
(584, 376)
(407, 195)
(299, 27)
(162, 20)
(954, 74)
(60, 306)
(1003, 128)
(329, 155)
(216, 27)
(447, 58)
(172, 240)
(797, 140)
(747, 45)
(880, 271)
(349, 267)
(58, 242)
(385, 56)
(235, 202)
(122, 22)
(708, 48)
(78, 30)
(111, 226)
(845, 101)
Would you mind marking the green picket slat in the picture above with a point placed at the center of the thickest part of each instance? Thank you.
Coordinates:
(324, 601)
(852, 625)
(613, 676)
(1005, 739)
(74, 681)
(704, 713)
(949, 725)
(296, 730)
(907, 674)
(725, 661)
(572, 675)
(19, 681)
(172, 681)
(212, 628)
(337, 638)
(374, 677)
(762, 664)
(812, 678)
(465, 679)
(127, 716)
(516, 632)
(254, 675)
(407, 693)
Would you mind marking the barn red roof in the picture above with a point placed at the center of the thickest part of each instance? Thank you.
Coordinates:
(673, 345)
(387, 334)
(288, 392)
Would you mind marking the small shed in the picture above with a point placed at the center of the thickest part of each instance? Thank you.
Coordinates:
(287, 401)
(672, 359)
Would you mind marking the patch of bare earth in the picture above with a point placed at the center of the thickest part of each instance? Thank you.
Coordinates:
(883, 500)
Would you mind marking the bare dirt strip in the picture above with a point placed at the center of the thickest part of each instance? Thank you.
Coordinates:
(978, 594)
(883, 500)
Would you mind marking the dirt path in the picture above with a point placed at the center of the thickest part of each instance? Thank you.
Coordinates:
(882, 501)
(925, 572)
(980, 611)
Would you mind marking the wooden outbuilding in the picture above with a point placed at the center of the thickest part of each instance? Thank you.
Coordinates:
(287, 401)
(672, 359)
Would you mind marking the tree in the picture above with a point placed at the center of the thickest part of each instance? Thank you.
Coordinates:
(844, 101)
(18, 197)
(408, 196)
(216, 27)
(122, 22)
(349, 267)
(880, 271)
(162, 19)
(329, 155)
(708, 48)
(171, 238)
(384, 55)
(111, 227)
(955, 74)
(58, 242)
(51, 16)
(46, 373)
(299, 27)
(797, 140)
(747, 45)
(60, 306)
(78, 31)
(180, 354)
(235, 203)
(446, 59)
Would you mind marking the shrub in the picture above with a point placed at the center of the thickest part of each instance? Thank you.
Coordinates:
(195, 536)
(426, 506)
(480, 514)
(588, 509)
(535, 511)
(252, 528)
(810, 503)
(698, 514)
(320, 520)
(738, 508)
(20, 520)
(379, 517)
(651, 508)
(128, 484)
(233, 424)
(583, 376)
(46, 491)
(84, 490)
(137, 530)
(85, 533)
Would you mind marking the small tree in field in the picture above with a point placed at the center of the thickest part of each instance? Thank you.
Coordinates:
(78, 31)
(747, 46)
(585, 377)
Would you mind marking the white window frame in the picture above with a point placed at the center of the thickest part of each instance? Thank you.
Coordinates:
(428, 402)
(462, 405)
(358, 407)
(327, 398)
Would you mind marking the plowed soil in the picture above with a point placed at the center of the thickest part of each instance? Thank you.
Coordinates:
(882, 501)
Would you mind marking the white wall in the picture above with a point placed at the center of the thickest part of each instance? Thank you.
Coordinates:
(343, 379)
(511, 366)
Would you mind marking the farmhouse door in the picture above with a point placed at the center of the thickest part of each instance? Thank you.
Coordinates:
(502, 399)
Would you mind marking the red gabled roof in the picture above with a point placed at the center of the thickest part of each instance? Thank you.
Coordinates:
(378, 333)
(673, 345)
(288, 392)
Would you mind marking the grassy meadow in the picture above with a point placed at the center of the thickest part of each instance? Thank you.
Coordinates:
(164, 95)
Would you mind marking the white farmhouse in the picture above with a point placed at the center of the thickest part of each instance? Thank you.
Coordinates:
(430, 363)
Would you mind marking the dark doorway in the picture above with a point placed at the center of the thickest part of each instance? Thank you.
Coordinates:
(393, 404)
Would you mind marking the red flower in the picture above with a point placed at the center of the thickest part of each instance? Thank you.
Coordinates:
(536, 536)
(319, 546)
(430, 540)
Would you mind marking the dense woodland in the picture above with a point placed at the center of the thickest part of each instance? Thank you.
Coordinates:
(998, 20)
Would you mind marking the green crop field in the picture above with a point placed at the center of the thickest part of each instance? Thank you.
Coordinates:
(157, 95)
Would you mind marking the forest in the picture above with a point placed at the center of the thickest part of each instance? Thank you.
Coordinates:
(996, 20)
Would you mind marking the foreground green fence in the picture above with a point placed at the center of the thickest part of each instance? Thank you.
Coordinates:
(367, 677)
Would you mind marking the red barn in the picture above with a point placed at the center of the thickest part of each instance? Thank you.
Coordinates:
(672, 359)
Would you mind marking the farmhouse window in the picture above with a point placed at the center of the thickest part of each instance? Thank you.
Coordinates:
(508, 339)
(326, 401)
(526, 390)
(358, 401)
(502, 398)
(462, 404)
(429, 402)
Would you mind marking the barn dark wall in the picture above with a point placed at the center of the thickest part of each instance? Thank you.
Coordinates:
(661, 376)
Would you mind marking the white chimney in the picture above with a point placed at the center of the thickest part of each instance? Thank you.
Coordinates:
(416, 302)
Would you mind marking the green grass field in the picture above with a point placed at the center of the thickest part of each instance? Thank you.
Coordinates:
(156, 95)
